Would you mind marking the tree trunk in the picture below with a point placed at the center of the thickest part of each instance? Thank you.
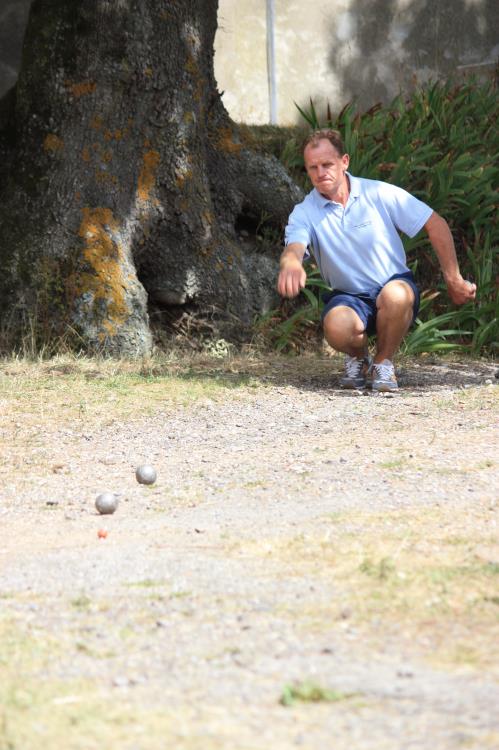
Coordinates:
(125, 178)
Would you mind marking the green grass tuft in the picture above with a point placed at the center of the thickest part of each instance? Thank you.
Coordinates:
(309, 692)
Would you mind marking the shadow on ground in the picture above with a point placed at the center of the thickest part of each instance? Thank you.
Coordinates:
(310, 372)
(322, 373)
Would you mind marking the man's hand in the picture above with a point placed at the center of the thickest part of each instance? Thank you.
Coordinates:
(291, 281)
(460, 291)
(292, 276)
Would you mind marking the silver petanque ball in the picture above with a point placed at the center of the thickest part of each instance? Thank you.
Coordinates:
(106, 503)
(145, 474)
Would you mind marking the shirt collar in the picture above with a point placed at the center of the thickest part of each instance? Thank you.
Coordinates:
(354, 191)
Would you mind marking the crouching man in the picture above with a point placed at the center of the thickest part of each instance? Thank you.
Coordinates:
(352, 225)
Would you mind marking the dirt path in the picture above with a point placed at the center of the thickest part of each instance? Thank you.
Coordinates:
(313, 568)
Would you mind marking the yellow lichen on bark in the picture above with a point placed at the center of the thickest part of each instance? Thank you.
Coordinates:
(147, 177)
(97, 122)
(199, 81)
(117, 134)
(191, 65)
(53, 143)
(104, 178)
(226, 142)
(107, 280)
(103, 283)
(183, 171)
(81, 89)
(207, 217)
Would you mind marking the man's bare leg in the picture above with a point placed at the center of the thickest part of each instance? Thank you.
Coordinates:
(394, 317)
(344, 331)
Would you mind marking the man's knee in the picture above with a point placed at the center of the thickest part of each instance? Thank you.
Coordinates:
(343, 320)
(343, 327)
(396, 294)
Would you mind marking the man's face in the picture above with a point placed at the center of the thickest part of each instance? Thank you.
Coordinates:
(325, 167)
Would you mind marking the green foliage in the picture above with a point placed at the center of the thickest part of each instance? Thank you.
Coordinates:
(290, 331)
(308, 692)
(442, 145)
(381, 570)
(432, 334)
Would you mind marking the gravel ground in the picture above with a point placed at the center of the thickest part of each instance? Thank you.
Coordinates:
(187, 610)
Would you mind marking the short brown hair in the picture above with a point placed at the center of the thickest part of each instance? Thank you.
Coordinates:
(333, 136)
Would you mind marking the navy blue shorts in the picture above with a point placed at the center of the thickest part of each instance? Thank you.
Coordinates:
(364, 303)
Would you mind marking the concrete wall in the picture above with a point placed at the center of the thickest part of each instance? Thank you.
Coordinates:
(13, 17)
(336, 50)
(330, 50)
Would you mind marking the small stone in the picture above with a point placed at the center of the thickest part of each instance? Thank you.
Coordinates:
(207, 403)
(121, 682)
(488, 381)
(145, 474)
(106, 503)
(405, 672)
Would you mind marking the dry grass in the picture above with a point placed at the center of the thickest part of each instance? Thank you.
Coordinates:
(68, 388)
(427, 577)
(424, 578)
(74, 714)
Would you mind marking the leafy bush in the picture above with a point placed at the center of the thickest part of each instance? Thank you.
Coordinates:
(442, 145)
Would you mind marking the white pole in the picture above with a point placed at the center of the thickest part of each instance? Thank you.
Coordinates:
(271, 72)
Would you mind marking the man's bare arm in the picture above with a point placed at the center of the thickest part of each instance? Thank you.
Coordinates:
(292, 276)
(460, 291)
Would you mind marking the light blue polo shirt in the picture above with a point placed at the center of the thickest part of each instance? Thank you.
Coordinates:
(358, 247)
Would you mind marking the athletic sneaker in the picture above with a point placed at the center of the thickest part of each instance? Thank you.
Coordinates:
(383, 376)
(355, 372)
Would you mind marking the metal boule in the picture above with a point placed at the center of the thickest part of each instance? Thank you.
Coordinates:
(106, 503)
(145, 474)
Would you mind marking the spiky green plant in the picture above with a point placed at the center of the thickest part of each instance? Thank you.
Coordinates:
(289, 332)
